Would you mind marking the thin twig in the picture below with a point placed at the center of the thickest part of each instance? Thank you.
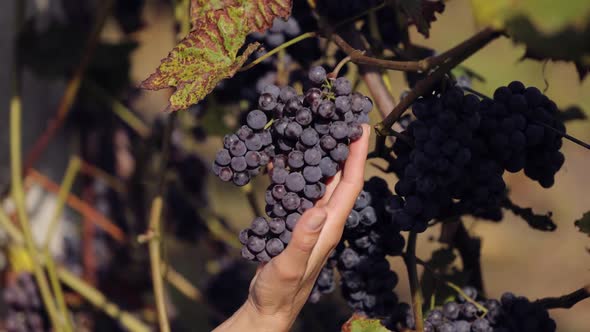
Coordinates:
(155, 262)
(336, 71)
(564, 135)
(100, 301)
(97, 173)
(185, 287)
(81, 207)
(252, 199)
(473, 44)
(64, 191)
(181, 283)
(466, 297)
(18, 195)
(57, 291)
(566, 301)
(410, 260)
(278, 48)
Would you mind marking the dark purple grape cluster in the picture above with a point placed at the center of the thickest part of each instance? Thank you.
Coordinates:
(370, 235)
(510, 314)
(516, 126)
(245, 151)
(458, 148)
(326, 282)
(306, 137)
(25, 310)
(432, 162)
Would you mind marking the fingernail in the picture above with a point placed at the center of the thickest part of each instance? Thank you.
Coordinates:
(316, 221)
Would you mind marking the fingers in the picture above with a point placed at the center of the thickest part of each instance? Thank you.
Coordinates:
(331, 185)
(292, 262)
(353, 177)
(343, 198)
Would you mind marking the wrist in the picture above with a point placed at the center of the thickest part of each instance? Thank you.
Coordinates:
(250, 318)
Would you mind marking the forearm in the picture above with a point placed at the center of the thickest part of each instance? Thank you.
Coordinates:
(247, 318)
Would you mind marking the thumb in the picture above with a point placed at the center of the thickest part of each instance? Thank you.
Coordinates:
(293, 260)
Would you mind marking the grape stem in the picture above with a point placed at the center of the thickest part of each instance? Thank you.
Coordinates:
(467, 297)
(252, 199)
(334, 73)
(566, 301)
(279, 48)
(411, 266)
(453, 57)
(156, 264)
(423, 65)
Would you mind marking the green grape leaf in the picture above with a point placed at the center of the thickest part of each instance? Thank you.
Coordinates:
(203, 58)
(549, 29)
(583, 223)
(200, 7)
(209, 53)
(421, 13)
(548, 16)
(259, 13)
(358, 323)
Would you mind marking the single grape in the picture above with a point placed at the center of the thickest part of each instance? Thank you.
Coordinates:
(295, 182)
(238, 164)
(291, 201)
(304, 116)
(326, 109)
(317, 74)
(328, 166)
(328, 142)
(277, 225)
(256, 244)
(312, 174)
(259, 226)
(256, 119)
(238, 149)
(309, 137)
(291, 220)
(226, 174)
(312, 156)
(223, 158)
(278, 175)
(340, 152)
(295, 159)
(342, 86)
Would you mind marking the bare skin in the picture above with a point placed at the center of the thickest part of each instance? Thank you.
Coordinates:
(281, 287)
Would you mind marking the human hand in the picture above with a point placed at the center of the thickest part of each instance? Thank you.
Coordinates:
(281, 287)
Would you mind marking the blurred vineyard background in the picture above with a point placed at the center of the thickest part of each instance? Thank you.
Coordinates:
(514, 257)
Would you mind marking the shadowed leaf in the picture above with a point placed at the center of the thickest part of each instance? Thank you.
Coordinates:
(542, 222)
(421, 13)
(583, 223)
(572, 113)
(542, 24)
